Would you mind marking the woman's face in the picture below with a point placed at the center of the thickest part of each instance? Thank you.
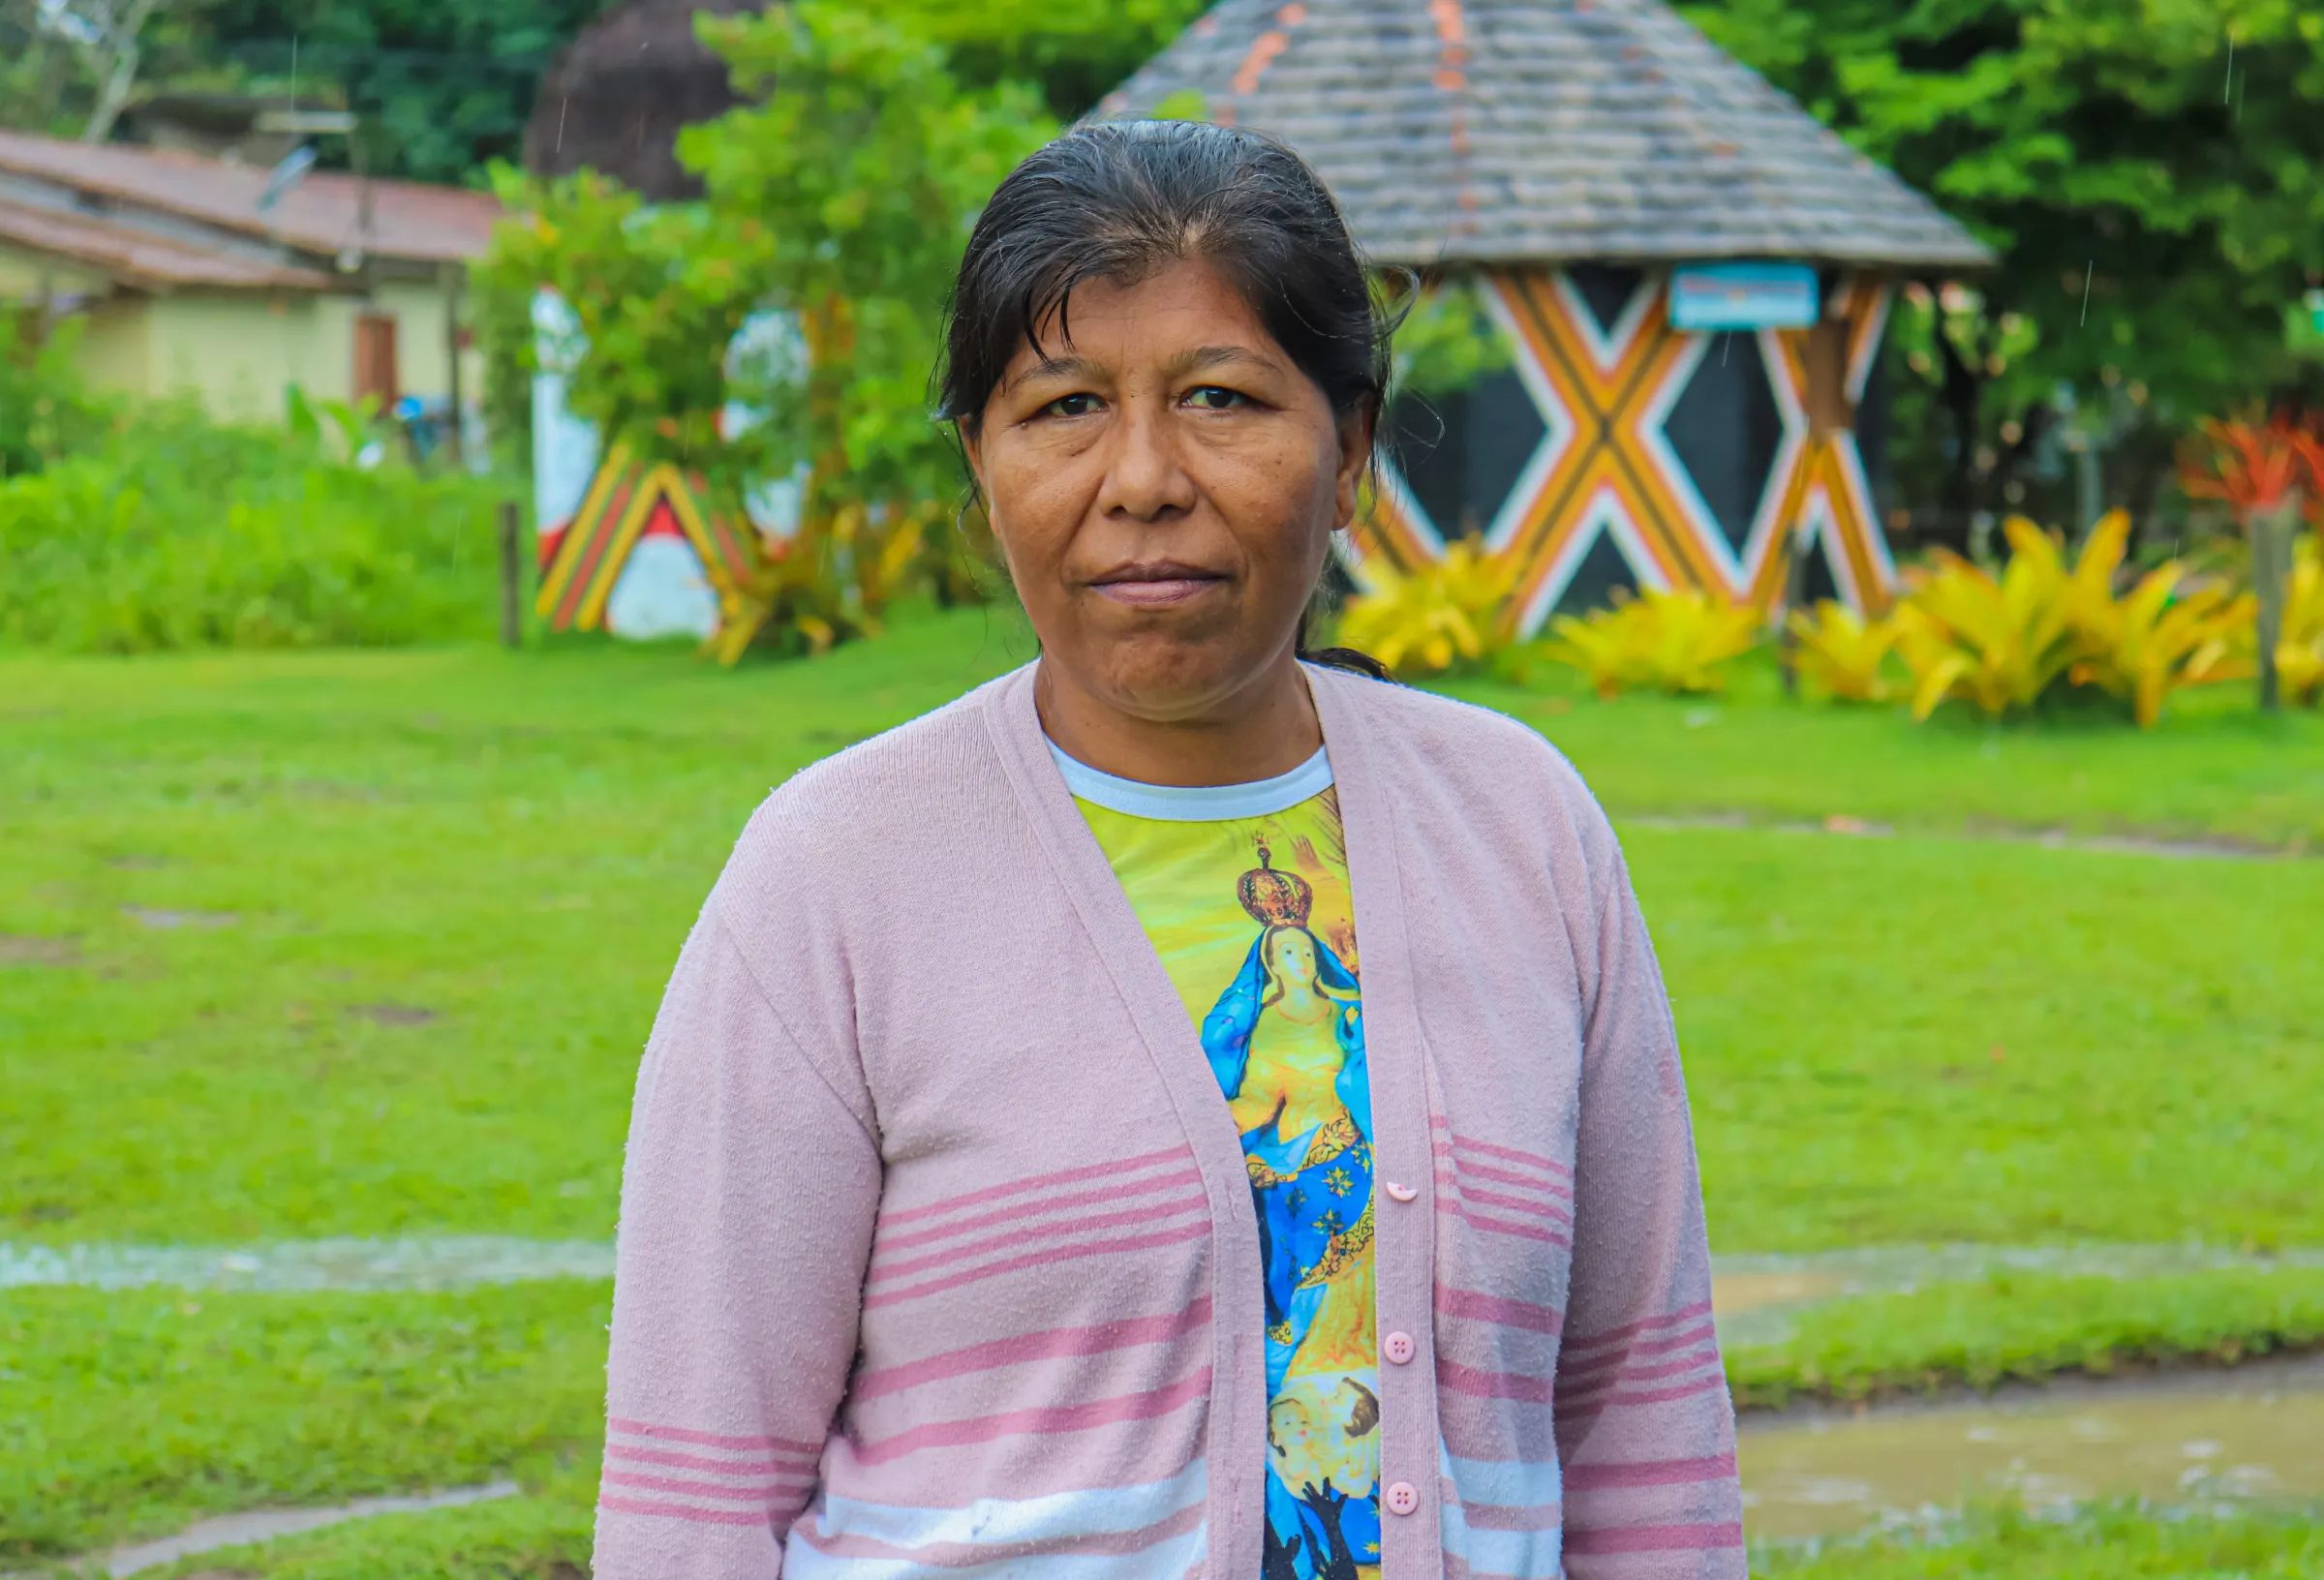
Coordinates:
(1164, 488)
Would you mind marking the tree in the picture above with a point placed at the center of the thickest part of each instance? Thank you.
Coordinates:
(445, 86)
(1074, 53)
(840, 199)
(2151, 171)
(65, 52)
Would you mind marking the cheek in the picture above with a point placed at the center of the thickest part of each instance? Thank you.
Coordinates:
(1035, 504)
(1282, 489)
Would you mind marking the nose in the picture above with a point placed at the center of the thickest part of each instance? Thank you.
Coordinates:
(1146, 476)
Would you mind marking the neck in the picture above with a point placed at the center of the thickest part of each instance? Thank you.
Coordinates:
(1265, 728)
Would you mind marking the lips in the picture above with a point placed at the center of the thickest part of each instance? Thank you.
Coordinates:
(1156, 585)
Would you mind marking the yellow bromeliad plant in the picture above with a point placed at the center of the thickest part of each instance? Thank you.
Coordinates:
(2001, 641)
(1843, 654)
(1444, 614)
(2300, 656)
(2152, 639)
(1668, 641)
(1998, 642)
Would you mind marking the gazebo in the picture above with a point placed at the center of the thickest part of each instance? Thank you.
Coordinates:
(1693, 276)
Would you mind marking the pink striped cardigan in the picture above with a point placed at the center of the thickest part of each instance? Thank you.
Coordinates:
(937, 1255)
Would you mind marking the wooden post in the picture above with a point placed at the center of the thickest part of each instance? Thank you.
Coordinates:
(512, 578)
(2272, 533)
(1795, 593)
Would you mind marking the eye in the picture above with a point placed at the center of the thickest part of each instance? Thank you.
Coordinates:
(1071, 405)
(1216, 398)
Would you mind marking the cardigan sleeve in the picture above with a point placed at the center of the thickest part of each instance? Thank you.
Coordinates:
(748, 1200)
(1644, 1427)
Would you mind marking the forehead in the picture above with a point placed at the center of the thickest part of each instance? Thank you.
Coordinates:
(1183, 305)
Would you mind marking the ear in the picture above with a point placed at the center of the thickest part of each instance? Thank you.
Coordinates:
(972, 450)
(1355, 431)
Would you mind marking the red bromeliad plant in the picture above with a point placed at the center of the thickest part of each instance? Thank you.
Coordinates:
(2254, 468)
(2271, 475)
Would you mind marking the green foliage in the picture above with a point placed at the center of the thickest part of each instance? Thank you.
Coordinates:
(846, 198)
(46, 409)
(1075, 53)
(130, 1413)
(1447, 340)
(174, 533)
(2106, 1542)
(1666, 641)
(2027, 1326)
(2107, 145)
(445, 86)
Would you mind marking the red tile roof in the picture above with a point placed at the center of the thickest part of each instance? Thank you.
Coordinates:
(321, 214)
(142, 259)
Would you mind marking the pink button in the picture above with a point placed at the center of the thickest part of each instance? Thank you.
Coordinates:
(1400, 1193)
(1398, 1347)
(1403, 1498)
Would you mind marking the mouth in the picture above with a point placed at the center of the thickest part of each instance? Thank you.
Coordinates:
(1158, 584)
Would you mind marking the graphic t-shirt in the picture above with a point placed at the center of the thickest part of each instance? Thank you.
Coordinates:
(1243, 890)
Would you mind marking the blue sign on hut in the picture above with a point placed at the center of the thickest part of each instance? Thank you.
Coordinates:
(1690, 273)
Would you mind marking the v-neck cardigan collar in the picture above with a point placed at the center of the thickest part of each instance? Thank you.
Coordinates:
(1403, 1229)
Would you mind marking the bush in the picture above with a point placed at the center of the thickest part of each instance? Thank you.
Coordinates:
(46, 410)
(1842, 654)
(1445, 616)
(1669, 641)
(2300, 656)
(2003, 643)
(174, 533)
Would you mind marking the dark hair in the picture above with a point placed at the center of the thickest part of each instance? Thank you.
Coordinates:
(1118, 200)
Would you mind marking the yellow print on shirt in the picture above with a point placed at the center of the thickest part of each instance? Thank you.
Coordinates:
(1254, 920)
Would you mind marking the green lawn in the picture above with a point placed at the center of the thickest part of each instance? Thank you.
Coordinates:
(367, 943)
(127, 1414)
(2121, 1543)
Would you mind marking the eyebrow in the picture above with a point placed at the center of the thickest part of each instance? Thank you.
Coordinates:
(1201, 359)
(1217, 356)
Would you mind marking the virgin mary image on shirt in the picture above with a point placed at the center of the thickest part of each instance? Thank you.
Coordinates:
(1286, 1042)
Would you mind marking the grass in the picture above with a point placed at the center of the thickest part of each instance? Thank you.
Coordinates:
(2213, 768)
(124, 1415)
(2025, 1327)
(334, 943)
(2119, 1542)
(1916, 1041)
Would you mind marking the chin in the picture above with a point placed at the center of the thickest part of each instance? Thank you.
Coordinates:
(1163, 676)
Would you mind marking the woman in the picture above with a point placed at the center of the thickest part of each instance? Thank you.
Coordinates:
(1179, 1109)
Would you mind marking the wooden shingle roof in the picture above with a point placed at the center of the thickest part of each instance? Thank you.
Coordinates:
(1505, 131)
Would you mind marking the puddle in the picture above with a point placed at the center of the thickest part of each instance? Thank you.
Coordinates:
(1733, 1295)
(17, 949)
(2254, 1434)
(166, 921)
(294, 1266)
(267, 1524)
(395, 1015)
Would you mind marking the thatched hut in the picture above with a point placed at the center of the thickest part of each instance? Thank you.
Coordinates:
(616, 99)
(1692, 274)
